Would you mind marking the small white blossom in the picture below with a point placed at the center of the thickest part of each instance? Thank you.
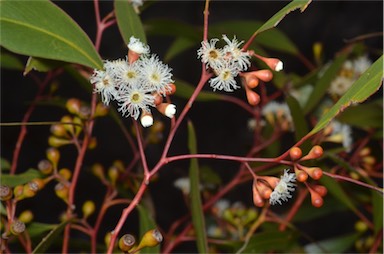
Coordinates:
(302, 94)
(340, 85)
(278, 111)
(361, 64)
(156, 75)
(233, 51)
(225, 79)
(137, 46)
(125, 73)
(134, 98)
(209, 54)
(341, 133)
(104, 85)
(220, 206)
(283, 188)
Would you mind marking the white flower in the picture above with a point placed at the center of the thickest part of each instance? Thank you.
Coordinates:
(341, 133)
(104, 85)
(283, 188)
(225, 79)
(280, 112)
(137, 46)
(183, 184)
(156, 75)
(340, 85)
(361, 64)
(125, 73)
(232, 50)
(133, 98)
(302, 94)
(220, 206)
(209, 54)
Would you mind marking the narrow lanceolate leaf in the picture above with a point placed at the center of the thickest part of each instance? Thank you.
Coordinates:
(146, 223)
(41, 29)
(377, 203)
(197, 209)
(49, 238)
(275, 19)
(128, 21)
(363, 88)
(323, 83)
(19, 179)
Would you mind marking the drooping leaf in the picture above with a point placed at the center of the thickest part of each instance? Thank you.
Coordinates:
(185, 90)
(128, 21)
(363, 116)
(4, 165)
(195, 199)
(364, 87)
(178, 46)
(337, 191)
(321, 86)
(377, 202)
(338, 244)
(301, 126)
(275, 19)
(19, 179)
(43, 30)
(36, 229)
(49, 238)
(11, 62)
(41, 65)
(273, 241)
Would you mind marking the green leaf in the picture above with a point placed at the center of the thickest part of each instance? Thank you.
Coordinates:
(185, 90)
(273, 39)
(196, 206)
(275, 19)
(4, 164)
(377, 202)
(270, 242)
(178, 46)
(41, 65)
(364, 87)
(363, 116)
(321, 86)
(335, 189)
(43, 30)
(147, 223)
(338, 244)
(35, 229)
(49, 238)
(301, 127)
(19, 179)
(8, 61)
(128, 21)
(169, 27)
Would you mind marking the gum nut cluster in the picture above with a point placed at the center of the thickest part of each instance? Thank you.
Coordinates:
(226, 62)
(137, 83)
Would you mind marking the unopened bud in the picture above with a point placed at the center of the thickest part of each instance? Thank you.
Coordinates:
(73, 105)
(263, 189)
(113, 174)
(126, 242)
(58, 130)
(322, 190)
(264, 75)
(157, 98)
(18, 192)
(45, 167)
(85, 112)
(26, 216)
(315, 153)
(88, 208)
(17, 227)
(295, 153)
(65, 173)
(273, 63)
(252, 97)
(53, 155)
(5, 193)
(98, 171)
(167, 109)
(92, 143)
(314, 172)
(150, 239)
(301, 176)
(57, 142)
(62, 191)
(257, 199)
(316, 199)
(172, 89)
(146, 119)
(101, 109)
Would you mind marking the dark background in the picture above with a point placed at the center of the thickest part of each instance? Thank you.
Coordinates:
(221, 127)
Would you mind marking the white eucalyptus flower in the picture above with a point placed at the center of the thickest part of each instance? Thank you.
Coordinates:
(283, 188)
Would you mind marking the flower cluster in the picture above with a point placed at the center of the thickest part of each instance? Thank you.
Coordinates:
(273, 188)
(349, 73)
(226, 62)
(278, 114)
(137, 83)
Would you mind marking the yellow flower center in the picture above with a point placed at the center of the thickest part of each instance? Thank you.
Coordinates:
(213, 54)
(131, 74)
(136, 97)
